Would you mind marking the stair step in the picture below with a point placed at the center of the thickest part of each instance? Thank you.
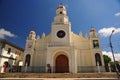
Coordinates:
(58, 75)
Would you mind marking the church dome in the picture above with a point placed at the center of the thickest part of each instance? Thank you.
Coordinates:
(61, 6)
(92, 30)
(32, 32)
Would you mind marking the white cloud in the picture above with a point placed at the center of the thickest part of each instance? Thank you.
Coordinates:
(117, 55)
(117, 14)
(4, 33)
(105, 32)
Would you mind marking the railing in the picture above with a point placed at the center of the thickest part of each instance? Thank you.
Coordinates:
(43, 69)
(56, 23)
(80, 69)
(57, 44)
(62, 69)
(90, 69)
(39, 69)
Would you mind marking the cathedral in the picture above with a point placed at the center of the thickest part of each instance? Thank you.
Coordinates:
(63, 51)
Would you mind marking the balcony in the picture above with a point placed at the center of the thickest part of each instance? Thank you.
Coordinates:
(53, 44)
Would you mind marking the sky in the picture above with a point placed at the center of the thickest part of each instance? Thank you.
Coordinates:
(19, 17)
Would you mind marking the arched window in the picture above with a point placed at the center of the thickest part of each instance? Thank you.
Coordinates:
(27, 59)
(98, 59)
(95, 44)
(9, 50)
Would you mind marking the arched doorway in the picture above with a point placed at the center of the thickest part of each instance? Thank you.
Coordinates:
(62, 64)
(27, 59)
(98, 59)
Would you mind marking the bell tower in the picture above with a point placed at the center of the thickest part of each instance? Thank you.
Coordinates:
(32, 35)
(61, 27)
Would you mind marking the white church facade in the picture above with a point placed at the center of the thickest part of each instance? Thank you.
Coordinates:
(62, 50)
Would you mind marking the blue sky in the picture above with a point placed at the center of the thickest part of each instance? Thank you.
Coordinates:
(19, 17)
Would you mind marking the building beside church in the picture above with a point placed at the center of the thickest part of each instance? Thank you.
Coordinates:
(10, 55)
(62, 50)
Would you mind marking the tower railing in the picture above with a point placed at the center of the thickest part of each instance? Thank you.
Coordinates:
(56, 23)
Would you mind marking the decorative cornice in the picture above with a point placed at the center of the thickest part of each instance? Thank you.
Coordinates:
(13, 45)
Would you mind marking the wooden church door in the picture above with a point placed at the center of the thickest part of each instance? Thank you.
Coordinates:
(62, 64)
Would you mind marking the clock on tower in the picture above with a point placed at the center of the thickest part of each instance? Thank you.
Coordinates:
(61, 34)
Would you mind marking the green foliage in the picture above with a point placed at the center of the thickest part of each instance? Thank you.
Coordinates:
(113, 63)
(106, 59)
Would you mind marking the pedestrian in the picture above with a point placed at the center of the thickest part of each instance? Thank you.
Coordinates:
(4, 68)
(48, 68)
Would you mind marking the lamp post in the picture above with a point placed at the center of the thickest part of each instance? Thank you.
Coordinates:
(113, 54)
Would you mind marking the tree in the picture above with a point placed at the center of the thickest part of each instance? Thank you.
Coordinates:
(107, 60)
(112, 64)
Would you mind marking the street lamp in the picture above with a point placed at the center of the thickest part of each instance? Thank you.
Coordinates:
(113, 54)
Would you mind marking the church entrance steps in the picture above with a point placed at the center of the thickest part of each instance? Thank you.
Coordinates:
(58, 75)
(58, 78)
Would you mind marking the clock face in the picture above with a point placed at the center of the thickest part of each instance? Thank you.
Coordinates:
(60, 34)
(60, 12)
